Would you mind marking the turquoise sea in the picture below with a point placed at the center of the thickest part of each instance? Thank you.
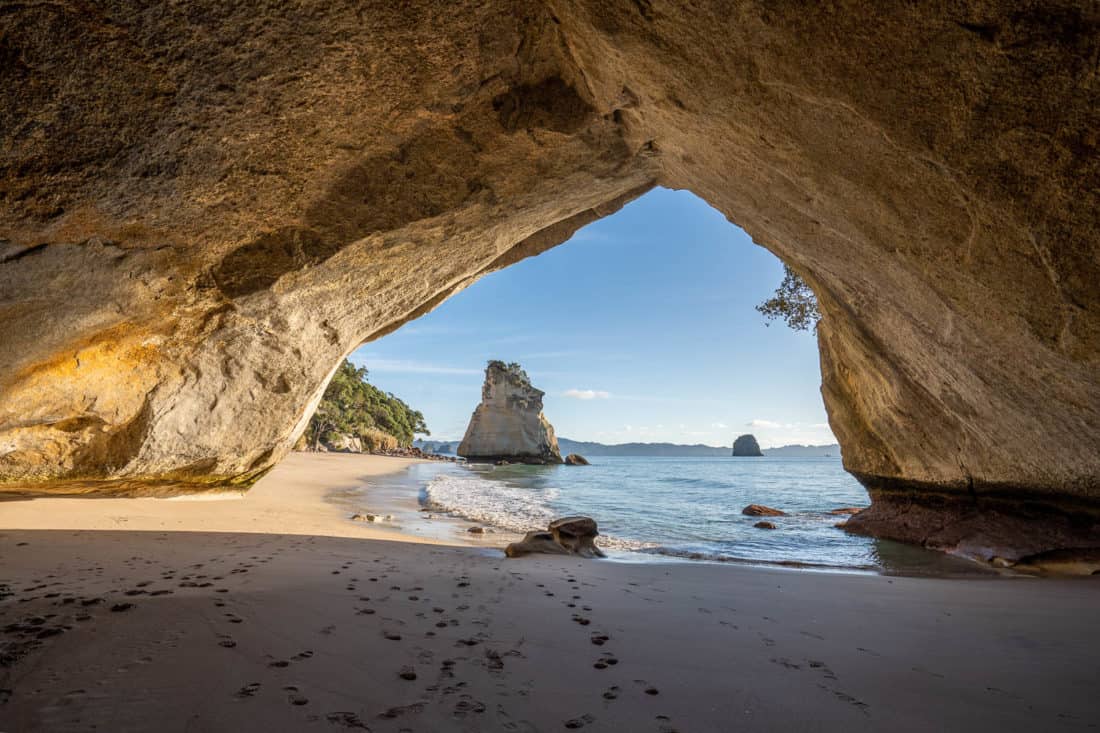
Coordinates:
(651, 508)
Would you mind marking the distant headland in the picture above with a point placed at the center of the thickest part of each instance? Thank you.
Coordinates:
(589, 449)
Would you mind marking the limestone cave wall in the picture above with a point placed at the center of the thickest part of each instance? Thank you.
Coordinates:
(204, 206)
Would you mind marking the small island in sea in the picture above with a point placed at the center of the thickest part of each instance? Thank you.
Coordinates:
(746, 447)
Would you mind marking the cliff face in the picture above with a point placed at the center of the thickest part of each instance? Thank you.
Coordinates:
(509, 424)
(204, 206)
(746, 446)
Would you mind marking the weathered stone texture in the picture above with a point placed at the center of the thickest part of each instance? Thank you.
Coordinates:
(508, 424)
(204, 206)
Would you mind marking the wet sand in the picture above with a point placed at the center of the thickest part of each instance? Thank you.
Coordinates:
(176, 627)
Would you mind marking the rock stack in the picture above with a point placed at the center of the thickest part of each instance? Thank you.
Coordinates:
(508, 426)
(746, 446)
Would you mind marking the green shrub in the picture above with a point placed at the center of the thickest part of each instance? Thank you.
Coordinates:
(353, 406)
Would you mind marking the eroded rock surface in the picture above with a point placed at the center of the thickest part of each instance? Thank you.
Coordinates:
(508, 425)
(205, 206)
(565, 536)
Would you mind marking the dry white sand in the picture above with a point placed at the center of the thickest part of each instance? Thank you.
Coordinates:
(291, 499)
(229, 616)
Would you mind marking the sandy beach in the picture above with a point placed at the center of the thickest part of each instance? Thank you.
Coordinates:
(311, 494)
(274, 612)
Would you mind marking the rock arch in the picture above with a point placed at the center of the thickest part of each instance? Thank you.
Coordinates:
(204, 206)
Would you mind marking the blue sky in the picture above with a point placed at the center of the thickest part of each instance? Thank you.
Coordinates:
(640, 328)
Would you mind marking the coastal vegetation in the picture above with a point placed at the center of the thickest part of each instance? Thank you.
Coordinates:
(793, 302)
(353, 408)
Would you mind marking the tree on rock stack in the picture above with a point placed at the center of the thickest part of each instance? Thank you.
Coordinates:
(509, 425)
(746, 447)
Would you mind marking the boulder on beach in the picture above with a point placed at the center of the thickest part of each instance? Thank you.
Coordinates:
(759, 510)
(566, 536)
(575, 459)
(765, 525)
(746, 447)
(508, 426)
(476, 530)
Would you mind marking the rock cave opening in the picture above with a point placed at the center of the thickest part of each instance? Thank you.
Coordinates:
(221, 243)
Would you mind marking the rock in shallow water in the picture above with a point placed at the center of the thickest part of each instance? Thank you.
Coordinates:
(575, 459)
(566, 536)
(852, 510)
(759, 510)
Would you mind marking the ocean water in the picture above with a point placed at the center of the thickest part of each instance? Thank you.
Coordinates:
(688, 508)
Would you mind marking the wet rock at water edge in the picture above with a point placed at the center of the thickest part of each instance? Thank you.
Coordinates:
(566, 536)
(759, 510)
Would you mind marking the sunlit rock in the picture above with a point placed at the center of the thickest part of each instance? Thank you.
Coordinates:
(508, 425)
(566, 536)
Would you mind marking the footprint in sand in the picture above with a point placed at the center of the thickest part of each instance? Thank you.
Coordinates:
(397, 712)
(347, 720)
(248, 690)
(574, 723)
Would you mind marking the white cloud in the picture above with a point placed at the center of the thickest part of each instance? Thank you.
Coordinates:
(771, 433)
(719, 426)
(586, 394)
(763, 424)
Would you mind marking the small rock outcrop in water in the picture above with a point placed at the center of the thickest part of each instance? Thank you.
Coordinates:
(746, 446)
(765, 525)
(575, 459)
(566, 536)
(508, 425)
(759, 510)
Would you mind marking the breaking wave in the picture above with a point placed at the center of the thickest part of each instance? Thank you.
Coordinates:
(501, 505)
